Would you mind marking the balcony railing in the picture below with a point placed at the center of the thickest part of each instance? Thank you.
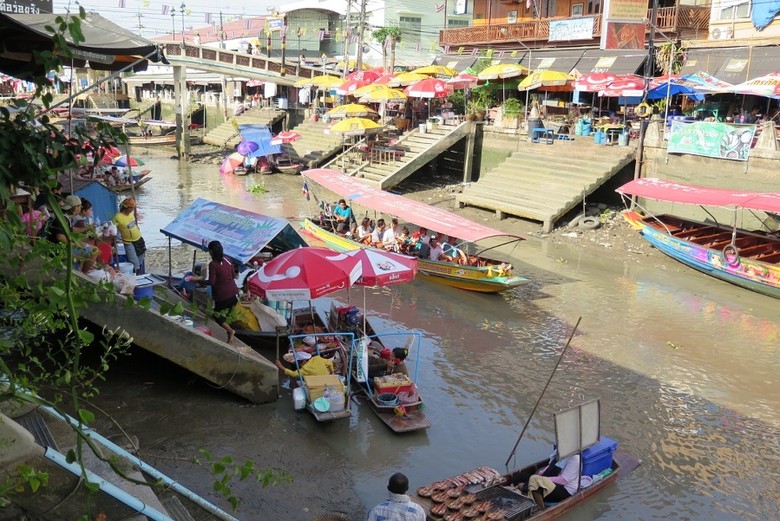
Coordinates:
(669, 20)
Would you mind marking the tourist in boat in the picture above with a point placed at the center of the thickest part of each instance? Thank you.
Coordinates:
(552, 484)
(343, 215)
(308, 365)
(399, 361)
(389, 235)
(403, 241)
(398, 506)
(364, 231)
(378, 234)
(436, 251)
(127, 224)
(224, 291)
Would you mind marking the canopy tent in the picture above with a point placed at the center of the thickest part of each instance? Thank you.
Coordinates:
(243, 234)
(661, 190)
(673, 88)
(106, 46)
(261, 135)
(418, 213)
(104, 201)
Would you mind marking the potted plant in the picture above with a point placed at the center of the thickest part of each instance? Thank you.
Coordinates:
(482, 99)
(511, 111)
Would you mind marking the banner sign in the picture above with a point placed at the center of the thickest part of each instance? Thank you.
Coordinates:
(624, 35)
(626, 10)
(571, 29)
(275, 24)
(718, 140)
(26, 6)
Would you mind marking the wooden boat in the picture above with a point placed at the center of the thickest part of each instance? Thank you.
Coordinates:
(481, 273)
(42, 438)
(124, 187)
(407, 415)
(146, 141)
(747, 259)
(286, 165)
(486, 494)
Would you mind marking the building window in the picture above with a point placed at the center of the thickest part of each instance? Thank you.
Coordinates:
(735, 11)
(576, 9)
(511, 17)
(457, 23)
(410, 28)
(594, 6)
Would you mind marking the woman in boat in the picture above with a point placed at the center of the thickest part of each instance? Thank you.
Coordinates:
(364, 231)
(224, 291)
(399, 361)
(552, 484)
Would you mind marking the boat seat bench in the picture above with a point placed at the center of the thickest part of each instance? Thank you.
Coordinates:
(694, 232)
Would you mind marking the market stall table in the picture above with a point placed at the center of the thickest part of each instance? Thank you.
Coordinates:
(543, 135)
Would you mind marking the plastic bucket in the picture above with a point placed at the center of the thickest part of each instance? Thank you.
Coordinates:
(336, 401)
(126, 268)
(423, 128)
(143, 291)
(623, 140)
(387, 399)
(299, 398)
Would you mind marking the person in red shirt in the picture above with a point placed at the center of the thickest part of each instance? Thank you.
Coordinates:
(224, 291)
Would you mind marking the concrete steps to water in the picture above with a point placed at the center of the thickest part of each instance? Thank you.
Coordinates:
(314, 146)
(544, 182)
(226, 135)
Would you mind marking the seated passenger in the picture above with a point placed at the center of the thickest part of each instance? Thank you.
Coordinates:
(97, 273)
(542, 488)
(421, 235)
(389, 235)
(343, 215)
(399, 361)
(364, 231)
(403, 240)
(309, 365)
(378, 234)
(436, 250)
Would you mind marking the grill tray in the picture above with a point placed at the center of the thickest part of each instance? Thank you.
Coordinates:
(514, 505)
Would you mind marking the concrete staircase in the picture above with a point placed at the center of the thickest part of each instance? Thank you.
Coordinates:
(314, 146)
(385, 171)
(226, 135)
(544, 182)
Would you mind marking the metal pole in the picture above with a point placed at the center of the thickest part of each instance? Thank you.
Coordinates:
(505, 32)
(182, 7)
(361, 31)
(173, 25)
(221, 32)
(284, 46)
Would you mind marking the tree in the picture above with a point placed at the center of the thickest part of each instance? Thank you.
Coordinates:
(387, 36)
(663, 54)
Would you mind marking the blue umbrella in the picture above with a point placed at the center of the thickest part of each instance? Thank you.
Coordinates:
(673, 90)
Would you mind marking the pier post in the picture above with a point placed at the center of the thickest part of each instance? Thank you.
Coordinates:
(181, 103)
(468, 157)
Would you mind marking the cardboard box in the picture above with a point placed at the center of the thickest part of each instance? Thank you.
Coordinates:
(315, 385)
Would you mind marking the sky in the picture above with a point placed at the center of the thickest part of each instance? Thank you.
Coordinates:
(149, 13)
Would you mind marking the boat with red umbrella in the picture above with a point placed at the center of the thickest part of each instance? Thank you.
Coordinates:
(390, 391)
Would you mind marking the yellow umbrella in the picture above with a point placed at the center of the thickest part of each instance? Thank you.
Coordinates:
(501, 71)
(545, 78)
(406, 78)
(436, 70)
(381, 93)
(355, 127)
(304, 82)
(327, 81)
(352, 110)
(256, 42)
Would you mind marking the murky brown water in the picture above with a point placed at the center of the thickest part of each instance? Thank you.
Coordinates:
(686, 368)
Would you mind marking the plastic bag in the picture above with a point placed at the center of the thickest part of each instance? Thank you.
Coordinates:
(124, 283)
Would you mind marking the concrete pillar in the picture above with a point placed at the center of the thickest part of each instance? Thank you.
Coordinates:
(178, 72)
(767, 140)
(468, 159)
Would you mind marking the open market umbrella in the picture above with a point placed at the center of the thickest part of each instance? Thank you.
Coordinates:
(232, 162)
(350, 86)
(305, 274)
(624, 85)
(355, 127)
(436, 70)
(384, 79)
(706, 83)
(428, 88)
(382, 93)
(502, 71)
(368, 76)
(540, 79)
(126, 161)
(352, 110)
(406, 78)
(594, 81)
(326, 82)
(767, 86)
(462, 81)
(304, 82)
(287, 136)
(245, 147)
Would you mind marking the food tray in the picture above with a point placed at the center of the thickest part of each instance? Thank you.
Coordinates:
(514, 505)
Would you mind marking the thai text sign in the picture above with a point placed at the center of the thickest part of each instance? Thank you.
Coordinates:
(571, 29)
(712, 139)
(25, 6)
(626, 10)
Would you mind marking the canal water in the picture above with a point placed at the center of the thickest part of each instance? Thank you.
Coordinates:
(686, 369)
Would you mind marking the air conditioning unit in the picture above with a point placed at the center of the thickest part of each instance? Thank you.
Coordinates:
(721, 33)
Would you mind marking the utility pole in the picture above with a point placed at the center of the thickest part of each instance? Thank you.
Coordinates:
(140, 26)
(284, 45)
(362, 22)
(347, 36)
(221, 32)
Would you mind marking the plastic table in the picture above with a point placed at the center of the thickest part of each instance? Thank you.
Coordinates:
(543, 135)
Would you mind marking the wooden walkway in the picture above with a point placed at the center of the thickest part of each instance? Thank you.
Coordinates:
(544, 182)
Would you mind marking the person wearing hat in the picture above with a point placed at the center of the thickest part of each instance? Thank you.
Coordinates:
(398, 506)
(127, 224)
(71, 206)
(436, 248)
(308, 365)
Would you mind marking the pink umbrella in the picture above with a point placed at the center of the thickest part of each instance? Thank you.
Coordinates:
(305, 274)
(232, 162)
(428, 88)
(594, 81)
(462, 81)
(624, 85)
(287, 136)
(384, 268)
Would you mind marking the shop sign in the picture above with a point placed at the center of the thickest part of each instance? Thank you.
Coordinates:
(571, 29)
(712, 139)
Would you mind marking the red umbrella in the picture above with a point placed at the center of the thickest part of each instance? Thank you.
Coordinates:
(368, 76)
(384, 268)
(462, 81)
(232, 162)
(350, 86)
(287, 136)
(594, 81)
(305, 274)
(384, 79)
(624, 85)
(428, 88)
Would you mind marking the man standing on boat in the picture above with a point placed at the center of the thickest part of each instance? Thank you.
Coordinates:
(397, 507)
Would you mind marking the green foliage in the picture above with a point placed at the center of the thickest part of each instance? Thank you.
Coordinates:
(257, 188)
(667, 51)
(512, 107)
(480, 65)
(225, 470)
(482, 99)
(458, 100)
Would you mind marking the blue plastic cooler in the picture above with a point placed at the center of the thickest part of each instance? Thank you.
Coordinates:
(598, 457)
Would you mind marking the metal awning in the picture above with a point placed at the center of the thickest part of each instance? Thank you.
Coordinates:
(612, 61)
(706, 60)
(735, 66)
(561, 60)
(455, 61)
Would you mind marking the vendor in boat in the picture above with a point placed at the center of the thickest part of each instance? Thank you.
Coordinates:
(308, 365)
(343, 216)
(398, 363)
(553, 484)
